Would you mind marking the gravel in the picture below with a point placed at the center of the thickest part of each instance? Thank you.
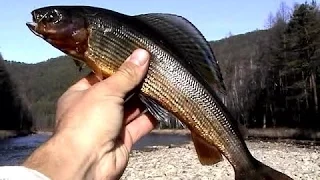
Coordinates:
(180, 162)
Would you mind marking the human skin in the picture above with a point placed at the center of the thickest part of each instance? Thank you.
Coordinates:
(95, 129)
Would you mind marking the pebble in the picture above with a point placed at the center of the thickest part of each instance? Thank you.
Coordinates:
(180, 162)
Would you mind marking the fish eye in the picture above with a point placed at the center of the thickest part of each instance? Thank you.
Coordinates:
(52, 17)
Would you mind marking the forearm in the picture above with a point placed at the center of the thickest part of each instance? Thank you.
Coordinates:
(61, 158)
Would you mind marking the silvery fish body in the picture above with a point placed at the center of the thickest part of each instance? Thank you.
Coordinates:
(183, 80)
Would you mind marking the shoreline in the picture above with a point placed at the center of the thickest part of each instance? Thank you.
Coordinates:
(5, 134)
(272, 135)
(268, 134)
(299, 161)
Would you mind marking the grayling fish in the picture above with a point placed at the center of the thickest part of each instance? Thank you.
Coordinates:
(183, 79)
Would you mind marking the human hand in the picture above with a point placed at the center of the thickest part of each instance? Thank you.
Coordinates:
(94, 131)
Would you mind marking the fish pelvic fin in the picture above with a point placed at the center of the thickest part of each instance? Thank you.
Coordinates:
(261, 172)
(207, 154)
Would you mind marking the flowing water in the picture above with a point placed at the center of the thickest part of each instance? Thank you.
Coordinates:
(14, 150)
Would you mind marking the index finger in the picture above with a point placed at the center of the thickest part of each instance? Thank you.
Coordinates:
(138, 128)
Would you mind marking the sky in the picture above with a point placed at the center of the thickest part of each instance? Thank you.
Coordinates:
(215, 19)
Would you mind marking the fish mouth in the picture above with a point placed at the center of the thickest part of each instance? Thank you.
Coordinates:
(33, 28)
(69, 35)
(34, 25)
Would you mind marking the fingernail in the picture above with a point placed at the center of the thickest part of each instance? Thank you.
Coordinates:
(139, 57)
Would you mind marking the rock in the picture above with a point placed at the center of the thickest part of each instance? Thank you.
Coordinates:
(181, 162)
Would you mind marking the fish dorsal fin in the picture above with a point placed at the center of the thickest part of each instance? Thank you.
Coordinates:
(207, 154)
(194, 48)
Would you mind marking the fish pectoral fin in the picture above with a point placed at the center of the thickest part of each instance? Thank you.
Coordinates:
(79, 64)
(207, 154)
(95, 68)
(160, 113)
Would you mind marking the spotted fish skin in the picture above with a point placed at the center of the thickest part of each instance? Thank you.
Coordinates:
(183, 78)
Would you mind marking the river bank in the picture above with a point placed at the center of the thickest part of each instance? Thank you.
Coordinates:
(4, 134)
(267, 133)
(171, 155)
(301, 162)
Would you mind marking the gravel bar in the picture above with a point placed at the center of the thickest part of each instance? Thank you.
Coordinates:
(180, 162)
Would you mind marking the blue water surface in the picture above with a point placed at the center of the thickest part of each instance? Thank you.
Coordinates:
(14, 151)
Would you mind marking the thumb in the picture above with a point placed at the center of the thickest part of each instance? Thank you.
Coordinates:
(129, 74)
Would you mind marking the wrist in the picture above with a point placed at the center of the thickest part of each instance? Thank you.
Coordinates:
(61, 157)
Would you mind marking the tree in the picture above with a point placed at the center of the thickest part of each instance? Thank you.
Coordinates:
(303, 33)
(15, 113)
(275, 56)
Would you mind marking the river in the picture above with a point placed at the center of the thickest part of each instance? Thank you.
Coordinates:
(14, 150)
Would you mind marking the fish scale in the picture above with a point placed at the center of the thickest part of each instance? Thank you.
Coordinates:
(197, 94)
(183, 80)
(209, 115)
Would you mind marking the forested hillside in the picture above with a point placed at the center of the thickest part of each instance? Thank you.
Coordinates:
(43, 83)
(14, 109)
(272, 76)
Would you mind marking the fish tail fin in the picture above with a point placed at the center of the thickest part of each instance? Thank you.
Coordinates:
(261, 172)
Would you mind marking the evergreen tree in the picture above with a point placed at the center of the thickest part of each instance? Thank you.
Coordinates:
(301, 68)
